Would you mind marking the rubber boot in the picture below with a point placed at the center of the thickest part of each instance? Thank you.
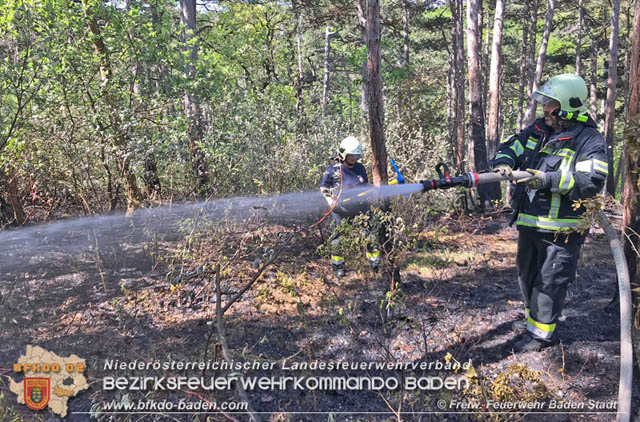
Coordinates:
(374, 266)
(519, 326)
(529, 343)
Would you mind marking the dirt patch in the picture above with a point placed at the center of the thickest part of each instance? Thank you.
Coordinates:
(455, 305)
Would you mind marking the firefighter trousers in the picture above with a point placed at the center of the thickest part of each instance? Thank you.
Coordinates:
(546, 264)
(337, 258)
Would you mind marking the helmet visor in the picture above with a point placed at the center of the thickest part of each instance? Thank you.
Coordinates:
(541, 98)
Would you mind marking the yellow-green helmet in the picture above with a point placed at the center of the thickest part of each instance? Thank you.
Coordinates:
(568, 89)
(349, 145)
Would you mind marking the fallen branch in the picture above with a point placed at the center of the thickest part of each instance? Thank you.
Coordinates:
(395, 412)
(255, 278)
(225, 349)
(224, 267)
(220, 310)
(98, 260)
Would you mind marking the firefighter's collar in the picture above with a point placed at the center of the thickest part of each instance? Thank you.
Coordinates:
(568, 134)
(542, 127)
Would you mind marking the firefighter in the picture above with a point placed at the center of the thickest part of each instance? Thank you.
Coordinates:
(346, 174)
(567, 159)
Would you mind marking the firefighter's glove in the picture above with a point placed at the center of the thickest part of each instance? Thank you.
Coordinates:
(330, 195)
(335, 204)
(330, 200)
(504, 170)
(538, 180)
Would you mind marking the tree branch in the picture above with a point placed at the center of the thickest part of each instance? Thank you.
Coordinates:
(264, 266)
(225, 347)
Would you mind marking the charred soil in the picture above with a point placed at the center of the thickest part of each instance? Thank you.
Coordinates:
(450, 317)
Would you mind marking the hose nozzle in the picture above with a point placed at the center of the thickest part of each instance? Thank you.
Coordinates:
(467, 180)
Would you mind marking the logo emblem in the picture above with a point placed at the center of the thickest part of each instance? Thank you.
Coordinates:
(36, 392)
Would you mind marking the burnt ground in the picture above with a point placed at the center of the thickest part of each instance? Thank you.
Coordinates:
(456, 302)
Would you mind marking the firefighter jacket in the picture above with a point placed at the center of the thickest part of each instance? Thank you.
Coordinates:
(338, 177)
(575, 163)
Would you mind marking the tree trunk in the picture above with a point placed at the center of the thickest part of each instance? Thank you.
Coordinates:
(501, 117)
(627, 60)
(122, 141)
(452, 88)
(612, 81)
(406, 93)
(625, 80)
(533, 16)
(364, 103)
(494, 80)
(348, 76)
(450, 110)
(620, 169)
(579, 38)
(300, 79)
(483, 48)
(151, 179)
(523, 69)
(605, 65)
(593, 85)
(160, 83)
(376, 110)
(542, 55)
(6, 213)
(472, 66)
(371, 22)
(486, 192)
(14, 213)
(631, 217)
(327, 69)
(361, 6)
(458, 83)
(192, 106)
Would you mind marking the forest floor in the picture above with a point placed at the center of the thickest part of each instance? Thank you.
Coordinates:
(456, 301)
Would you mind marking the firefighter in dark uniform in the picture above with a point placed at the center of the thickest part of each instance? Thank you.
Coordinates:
(337, 180)
(567, 159)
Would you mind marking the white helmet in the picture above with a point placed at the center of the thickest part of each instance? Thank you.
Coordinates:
(349, 145)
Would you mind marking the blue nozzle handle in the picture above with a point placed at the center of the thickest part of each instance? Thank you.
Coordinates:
(399, 177)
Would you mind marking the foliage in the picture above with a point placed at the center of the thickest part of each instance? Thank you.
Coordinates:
(75, 121)
(518, 383)
(7, 413)
(384, 230)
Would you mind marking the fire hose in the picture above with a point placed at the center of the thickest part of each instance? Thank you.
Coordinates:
(470, 180)
(626, 316)
(467, 180)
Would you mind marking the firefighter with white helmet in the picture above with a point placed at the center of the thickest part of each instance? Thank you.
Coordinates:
(346, 174)
(567, 159)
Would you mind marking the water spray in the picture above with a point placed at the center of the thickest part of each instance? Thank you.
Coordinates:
(46, 243)
(37, 248)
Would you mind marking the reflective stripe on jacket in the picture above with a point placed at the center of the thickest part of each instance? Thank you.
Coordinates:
(339, 175)
(576, 165)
